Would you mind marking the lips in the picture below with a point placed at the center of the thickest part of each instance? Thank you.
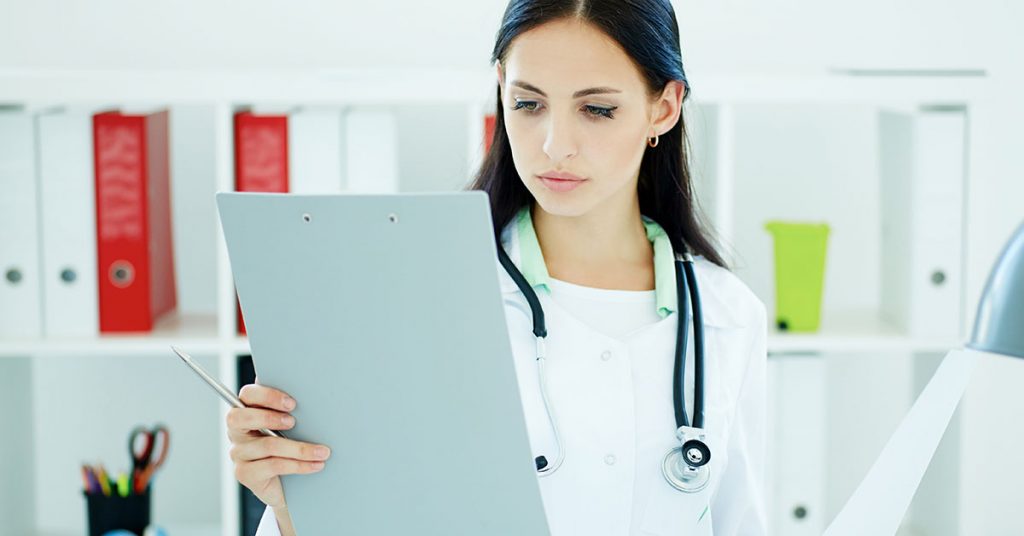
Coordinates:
(560, 175)
(560, 181)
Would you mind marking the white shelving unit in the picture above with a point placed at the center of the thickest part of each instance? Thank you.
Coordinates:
(726, 115)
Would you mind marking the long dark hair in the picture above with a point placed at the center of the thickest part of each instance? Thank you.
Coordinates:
(647, 30)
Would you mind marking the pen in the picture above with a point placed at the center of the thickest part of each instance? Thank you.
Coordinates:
(85, 478)
(224, 393)
(90, 476)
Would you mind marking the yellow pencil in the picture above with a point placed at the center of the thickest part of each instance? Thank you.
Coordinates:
(101, 475)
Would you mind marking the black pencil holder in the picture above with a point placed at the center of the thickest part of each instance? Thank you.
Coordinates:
(129, 513)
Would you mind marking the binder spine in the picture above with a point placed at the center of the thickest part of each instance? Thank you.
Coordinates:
(67, 206)
(134, 256)
(261, 160)
(20, 293)
(158, 185)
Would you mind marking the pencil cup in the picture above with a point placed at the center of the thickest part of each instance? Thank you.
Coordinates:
(129, 513)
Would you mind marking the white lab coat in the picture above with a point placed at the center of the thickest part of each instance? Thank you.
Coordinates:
(613, 401)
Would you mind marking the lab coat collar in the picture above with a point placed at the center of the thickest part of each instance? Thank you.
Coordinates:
(719, 307)
(531, 261)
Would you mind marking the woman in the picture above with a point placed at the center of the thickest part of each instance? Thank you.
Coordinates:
(591, 196)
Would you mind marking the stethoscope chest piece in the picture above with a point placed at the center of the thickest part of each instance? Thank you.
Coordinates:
(686, 468)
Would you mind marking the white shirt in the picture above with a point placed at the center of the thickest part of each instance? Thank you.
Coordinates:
(610, 381)
(615, 313)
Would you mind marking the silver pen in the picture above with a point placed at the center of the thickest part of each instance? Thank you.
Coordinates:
(224, 393)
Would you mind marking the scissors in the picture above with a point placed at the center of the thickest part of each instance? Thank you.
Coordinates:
(143, 462)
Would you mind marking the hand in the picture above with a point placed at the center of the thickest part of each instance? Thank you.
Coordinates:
(259, 459)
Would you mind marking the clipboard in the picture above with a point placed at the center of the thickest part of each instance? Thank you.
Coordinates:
(383, 316)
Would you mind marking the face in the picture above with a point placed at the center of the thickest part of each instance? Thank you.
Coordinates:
(577, 108)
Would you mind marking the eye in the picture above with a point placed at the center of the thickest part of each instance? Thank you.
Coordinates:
(598, 111)
(529, 106)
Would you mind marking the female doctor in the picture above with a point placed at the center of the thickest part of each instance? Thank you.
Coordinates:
(593, 203)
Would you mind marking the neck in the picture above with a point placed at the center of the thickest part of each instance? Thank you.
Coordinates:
(606, 248)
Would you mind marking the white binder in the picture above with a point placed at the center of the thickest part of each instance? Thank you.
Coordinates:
(68, 217)
(922, 173)
(20, 311)
(797, 413)
(370, 151)
(314, 145)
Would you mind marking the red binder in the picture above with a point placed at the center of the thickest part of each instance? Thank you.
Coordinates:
(135, 255)
(489, 122)
(261, 159)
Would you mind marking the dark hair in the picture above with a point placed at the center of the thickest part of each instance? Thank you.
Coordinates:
(647, 30)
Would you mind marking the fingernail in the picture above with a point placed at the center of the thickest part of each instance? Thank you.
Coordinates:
(322, 452)
(289, 403)
(288, 420)
(318, 466)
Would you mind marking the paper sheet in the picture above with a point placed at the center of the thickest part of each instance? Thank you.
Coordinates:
(878, 505)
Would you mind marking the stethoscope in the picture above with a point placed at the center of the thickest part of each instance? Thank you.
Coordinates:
(685, 467)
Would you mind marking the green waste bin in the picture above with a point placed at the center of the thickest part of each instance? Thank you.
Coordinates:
(799, 273)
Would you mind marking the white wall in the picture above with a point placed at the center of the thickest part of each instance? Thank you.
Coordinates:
(16, 455)
(733, 34)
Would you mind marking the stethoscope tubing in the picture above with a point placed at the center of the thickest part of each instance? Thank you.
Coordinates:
(687, 294)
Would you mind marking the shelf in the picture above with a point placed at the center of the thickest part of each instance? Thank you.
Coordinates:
(741, 178)
(196, 333)
(854, 333)
(240, 345)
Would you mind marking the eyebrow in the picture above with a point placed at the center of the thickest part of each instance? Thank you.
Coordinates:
(578, 94)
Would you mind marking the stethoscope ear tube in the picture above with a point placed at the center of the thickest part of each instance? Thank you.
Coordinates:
(686, 468)
(698, 344)
(686, 287)
(543, 468)
(682, 331)
(540, 332)
(539, 327)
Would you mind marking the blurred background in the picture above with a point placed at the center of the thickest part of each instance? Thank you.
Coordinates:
(896, 124)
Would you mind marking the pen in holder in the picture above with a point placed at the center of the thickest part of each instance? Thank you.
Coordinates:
(110, 512)
(124, 502)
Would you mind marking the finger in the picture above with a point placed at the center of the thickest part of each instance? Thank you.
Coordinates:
(276, 447)
(267, 468)
(266, 397)
(248, 419)
(244, 436)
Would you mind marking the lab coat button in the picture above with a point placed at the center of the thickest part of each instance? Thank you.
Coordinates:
(610, 459)
(606, 355)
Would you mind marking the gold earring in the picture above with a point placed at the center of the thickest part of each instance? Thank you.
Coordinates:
(652, 143)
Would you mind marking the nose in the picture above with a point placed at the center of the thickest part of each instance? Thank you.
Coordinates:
(560, 142)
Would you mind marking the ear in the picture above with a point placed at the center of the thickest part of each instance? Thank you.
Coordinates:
(667, 109)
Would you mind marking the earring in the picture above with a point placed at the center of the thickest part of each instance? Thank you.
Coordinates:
(652, 143)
